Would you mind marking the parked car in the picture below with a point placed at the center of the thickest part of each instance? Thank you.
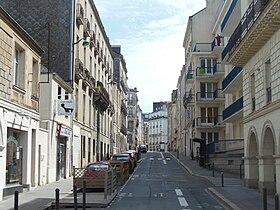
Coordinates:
(143, 148)
(125, 157)
(133, 156)
(97, 169)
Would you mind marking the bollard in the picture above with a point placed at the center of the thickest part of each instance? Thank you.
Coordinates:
(264, 199)
(75, 197)
(222, 177)
(84, 194)
(177, 154)
(240, 170)
(57, 199)
(213, 172)
(276, 201)
(16, 201)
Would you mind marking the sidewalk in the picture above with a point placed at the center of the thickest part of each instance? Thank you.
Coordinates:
(43, 197)
(234, 195)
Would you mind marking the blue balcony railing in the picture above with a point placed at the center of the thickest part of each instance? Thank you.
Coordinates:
(233, 108)
(234, 72)
(229, 12)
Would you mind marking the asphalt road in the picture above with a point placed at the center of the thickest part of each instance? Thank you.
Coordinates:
(161, 183)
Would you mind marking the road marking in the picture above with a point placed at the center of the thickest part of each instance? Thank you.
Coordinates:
(130, 195)
(164, 161)
(151, 158)
(167, 158)
(183, 201)
(178, 192)
(159, 158)
(162, 155)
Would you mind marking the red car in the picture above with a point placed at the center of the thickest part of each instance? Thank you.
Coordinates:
(97, 169)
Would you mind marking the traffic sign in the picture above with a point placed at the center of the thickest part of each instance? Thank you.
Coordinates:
(65, 107)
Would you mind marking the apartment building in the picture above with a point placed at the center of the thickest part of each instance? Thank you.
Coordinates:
(172, 127)
(202, 74)
(120, 100)
(77, 48)
(254, 46)
(158, 128)
(132, 118)
(56, 107)
(20, 58)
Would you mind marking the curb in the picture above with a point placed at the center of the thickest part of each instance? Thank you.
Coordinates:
(220, 198)
(181, 163)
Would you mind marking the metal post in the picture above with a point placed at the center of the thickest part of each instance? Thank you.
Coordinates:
(178, 153)
(264, 199)
(84, 194)
(213, 170)
(16, 201)
(222, 178)
(75, 197)
(57, 199)
(276, 201)
(240, 170)
(98, 135)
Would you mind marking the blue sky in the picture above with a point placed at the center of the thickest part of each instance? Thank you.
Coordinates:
(151, 34)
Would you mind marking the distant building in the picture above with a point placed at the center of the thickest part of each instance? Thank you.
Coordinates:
(132, 118)
(158, 120)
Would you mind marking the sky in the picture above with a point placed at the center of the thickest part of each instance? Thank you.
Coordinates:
(151, 34)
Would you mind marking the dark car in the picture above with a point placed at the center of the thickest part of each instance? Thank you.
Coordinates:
(97, 169)
(143, 148)
(125, 157)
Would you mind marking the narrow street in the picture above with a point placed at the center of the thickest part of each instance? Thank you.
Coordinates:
(159, 182)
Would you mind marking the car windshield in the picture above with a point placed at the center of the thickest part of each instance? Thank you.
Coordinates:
(98, 167)
(123, 157)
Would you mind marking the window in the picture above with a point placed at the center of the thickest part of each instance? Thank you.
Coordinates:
(93, 147)
(253, 99)
(89, 150)
(209, 115)
(207, 90)
(19, 68)
(59, 92)
(76, 103)
(268, 81)
(35, 74)
(207, 66)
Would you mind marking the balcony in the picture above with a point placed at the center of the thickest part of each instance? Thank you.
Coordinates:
(209, 122)
(79, 69)
(188, 100)
(92, 39)
(258, 24)
(217, 45)
(234, 111)
(210, 97)
(190, 75)
(233, 81)
(101, 97)
(231, 17)
(86, 27)
(216, 71)
(202, 48)
(79, 14)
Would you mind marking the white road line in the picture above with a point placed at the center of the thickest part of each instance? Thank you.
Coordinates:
(178, 192)
(167, 158)
(151, 158)
(159, 158)
(164, 161)
(130, 195)
(161, 155)
(183, 201)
